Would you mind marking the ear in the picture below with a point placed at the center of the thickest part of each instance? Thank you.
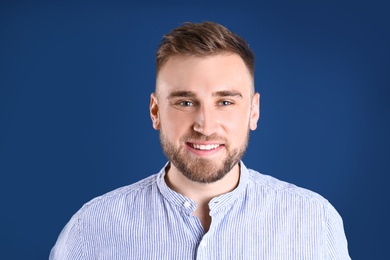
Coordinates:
(154, 114)
(255, 111)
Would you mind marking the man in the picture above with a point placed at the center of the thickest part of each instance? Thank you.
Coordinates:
(205, 203)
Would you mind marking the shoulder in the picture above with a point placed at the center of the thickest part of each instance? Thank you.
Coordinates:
(300, 208)
(123, 196)
(282, 190)
(280, 196)
(103, 215)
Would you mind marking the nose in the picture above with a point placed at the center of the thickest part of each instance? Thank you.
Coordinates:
(205, 121)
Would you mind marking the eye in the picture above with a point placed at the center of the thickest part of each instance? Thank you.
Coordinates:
(186, 103)
(225, 103)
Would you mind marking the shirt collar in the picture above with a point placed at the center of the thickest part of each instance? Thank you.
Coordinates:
(216, 205)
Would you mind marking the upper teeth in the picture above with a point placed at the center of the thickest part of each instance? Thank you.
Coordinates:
(205, 147)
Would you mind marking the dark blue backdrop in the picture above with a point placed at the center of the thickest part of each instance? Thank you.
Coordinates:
(75, 80)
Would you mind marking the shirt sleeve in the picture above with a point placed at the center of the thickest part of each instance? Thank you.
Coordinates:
(335, 240)
(69, 243)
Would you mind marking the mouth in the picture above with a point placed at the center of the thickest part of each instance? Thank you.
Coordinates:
(204, 147)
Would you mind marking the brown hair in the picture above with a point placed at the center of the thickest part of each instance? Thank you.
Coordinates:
(203, 39)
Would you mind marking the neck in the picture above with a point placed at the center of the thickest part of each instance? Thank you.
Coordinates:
(202, 193)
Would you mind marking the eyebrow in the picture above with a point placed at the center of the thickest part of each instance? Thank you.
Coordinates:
(223, 93)
(227, 93)
(181, 93)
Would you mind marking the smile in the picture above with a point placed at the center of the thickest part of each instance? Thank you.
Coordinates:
(204, 147)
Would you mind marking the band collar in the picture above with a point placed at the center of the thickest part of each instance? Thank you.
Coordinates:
(216, 204)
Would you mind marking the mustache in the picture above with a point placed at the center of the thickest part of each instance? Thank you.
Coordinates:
(195, 136)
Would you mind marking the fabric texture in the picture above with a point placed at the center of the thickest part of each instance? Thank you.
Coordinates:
(263, 218)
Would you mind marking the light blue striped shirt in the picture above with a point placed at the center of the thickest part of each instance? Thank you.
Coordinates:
(263, 218)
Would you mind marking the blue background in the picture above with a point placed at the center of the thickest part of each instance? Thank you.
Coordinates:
(75, 82)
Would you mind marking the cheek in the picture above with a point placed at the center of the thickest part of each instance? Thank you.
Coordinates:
(237, 126)
(175, 125)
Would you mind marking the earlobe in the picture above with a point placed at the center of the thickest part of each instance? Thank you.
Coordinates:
(255, 111)
(154, 111)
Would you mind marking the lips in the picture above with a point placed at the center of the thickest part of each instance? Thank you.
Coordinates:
(204, 147)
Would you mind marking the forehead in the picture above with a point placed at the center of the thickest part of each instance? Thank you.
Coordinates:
(204, 74)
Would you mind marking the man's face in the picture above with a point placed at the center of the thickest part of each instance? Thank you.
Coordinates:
(204, 108)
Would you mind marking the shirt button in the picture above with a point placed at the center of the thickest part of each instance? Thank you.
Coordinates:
(187, 204)
(203, 243)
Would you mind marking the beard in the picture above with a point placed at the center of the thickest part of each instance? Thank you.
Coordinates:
(202, 170)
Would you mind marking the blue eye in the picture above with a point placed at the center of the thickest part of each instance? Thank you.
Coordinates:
(186, 103)
(225, 103)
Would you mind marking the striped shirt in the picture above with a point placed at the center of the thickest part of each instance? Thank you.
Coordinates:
(263, 218)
